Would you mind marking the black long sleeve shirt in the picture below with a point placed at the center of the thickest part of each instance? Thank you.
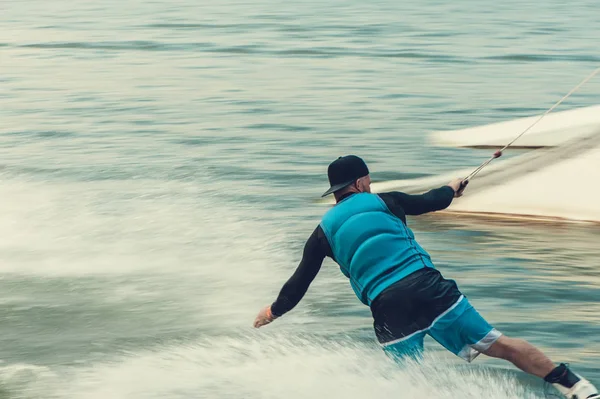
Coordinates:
(317, 247)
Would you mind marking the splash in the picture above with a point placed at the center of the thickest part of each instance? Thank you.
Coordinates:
(275, 366)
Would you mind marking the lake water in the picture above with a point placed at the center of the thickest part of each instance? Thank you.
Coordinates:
(159, 165)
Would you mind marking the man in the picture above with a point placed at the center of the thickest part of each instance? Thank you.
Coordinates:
(367, 235)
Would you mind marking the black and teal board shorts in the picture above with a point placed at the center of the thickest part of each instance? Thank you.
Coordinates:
(426, 303)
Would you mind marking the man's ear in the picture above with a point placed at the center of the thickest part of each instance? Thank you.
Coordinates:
(357, 185)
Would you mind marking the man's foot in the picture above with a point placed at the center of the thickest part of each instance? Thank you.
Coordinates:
(581, 390)
(571, 385)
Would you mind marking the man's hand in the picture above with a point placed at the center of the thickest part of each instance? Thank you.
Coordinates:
(458, 185)
(265, 316)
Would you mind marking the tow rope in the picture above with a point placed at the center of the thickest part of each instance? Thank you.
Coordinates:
(498, 153)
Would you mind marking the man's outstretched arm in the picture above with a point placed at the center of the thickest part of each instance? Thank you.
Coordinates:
(294, 289)
(431, 201)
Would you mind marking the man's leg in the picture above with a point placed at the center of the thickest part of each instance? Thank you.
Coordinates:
(531, 360)
(464, 332)
(410, 347)
(522, 354)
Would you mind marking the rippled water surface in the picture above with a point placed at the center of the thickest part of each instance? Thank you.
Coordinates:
(159, 163)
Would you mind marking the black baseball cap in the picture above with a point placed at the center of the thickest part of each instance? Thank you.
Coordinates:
(345, 171)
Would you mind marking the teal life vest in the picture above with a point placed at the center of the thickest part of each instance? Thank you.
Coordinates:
(372, 246)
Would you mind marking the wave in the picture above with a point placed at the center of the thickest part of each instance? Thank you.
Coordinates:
(543, 58)
(320, 52)
(250, 49)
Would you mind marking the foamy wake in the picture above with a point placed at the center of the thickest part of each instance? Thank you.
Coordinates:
(262, 366)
